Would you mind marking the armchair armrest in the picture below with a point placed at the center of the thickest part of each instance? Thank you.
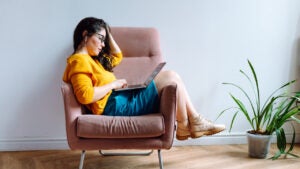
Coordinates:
(73, 109)
(168, 108)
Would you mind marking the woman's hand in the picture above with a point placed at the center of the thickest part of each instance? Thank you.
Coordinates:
(101, 91)
(112, 43)
(120, 83)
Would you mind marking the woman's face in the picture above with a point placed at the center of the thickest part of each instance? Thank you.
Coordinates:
(95, 43)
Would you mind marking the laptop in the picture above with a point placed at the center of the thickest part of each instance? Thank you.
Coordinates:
(147, 82)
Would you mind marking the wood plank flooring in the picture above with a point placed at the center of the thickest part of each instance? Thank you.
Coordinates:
(180, 157)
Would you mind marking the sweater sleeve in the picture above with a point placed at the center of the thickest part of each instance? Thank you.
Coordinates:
(117, 58)
(83, 88)
(78, 73)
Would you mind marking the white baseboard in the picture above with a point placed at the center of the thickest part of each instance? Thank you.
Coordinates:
(24, 144)
(214, 140)
(228, 138)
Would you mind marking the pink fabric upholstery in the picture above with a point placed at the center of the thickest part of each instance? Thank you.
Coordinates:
(141, 47)
(91, 126)
(156, 131)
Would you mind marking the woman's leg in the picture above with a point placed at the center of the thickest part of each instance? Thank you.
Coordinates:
(165, 78)
(185, 108)
(190, 123)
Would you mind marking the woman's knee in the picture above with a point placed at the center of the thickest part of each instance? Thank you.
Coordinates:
(172, 75)
(168, 77)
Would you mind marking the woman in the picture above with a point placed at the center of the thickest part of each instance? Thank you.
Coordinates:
(89, 70)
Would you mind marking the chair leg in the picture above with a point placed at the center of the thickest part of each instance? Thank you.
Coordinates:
(126, 154)
(161, 165)
(82, 159)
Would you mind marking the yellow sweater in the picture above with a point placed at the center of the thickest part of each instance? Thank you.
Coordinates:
(85, 73)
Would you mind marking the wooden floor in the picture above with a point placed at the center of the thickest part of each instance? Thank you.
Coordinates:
(190, 157)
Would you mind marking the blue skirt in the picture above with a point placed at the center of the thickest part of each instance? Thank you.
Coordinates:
(133, 102)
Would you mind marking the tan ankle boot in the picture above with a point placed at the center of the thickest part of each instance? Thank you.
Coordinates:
(183, 131)
(199, 126)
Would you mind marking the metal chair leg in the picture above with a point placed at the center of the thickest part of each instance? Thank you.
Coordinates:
(82, 159)
(161, 165)
(126, 154)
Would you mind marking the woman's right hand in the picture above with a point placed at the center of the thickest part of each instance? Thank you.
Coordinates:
(101, 91)
(119, 83)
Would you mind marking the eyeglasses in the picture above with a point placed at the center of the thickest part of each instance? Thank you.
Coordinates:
(101, 37)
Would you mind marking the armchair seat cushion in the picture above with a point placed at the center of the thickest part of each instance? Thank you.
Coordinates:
(101, 126)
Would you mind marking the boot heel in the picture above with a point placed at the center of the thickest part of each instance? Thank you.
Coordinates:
(183, 131)
(196, 134)
(182, 137)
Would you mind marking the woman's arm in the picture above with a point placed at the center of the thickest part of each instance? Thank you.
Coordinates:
(100, 92)
(86, 93)
(115, 50)
(114, 47)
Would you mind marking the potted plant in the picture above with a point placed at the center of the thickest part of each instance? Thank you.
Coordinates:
(265, 117)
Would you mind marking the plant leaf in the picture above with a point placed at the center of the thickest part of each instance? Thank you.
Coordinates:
(295, 119)
(243, 109)
(276, 156)
(257, 87)
(281, 140)
(245, 93)
(283, 86)
(294, 155)
(232, 120)
(293, 140)
(222, 112)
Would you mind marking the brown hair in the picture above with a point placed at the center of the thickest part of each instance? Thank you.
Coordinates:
(93, 25)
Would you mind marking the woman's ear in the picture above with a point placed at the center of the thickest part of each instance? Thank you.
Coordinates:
(84, 33)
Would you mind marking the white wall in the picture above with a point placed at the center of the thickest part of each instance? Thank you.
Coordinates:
(205, 41)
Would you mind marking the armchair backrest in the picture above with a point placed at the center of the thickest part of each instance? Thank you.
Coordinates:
(141, 51)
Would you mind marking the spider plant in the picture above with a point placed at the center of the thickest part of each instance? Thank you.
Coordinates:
(269, 116)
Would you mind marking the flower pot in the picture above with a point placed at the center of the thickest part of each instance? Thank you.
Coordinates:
(258, 145)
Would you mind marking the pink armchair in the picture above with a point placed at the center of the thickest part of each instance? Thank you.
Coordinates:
(141, 50)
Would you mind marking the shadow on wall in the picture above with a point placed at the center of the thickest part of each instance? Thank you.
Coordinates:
(295, 73)
(295, 68)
